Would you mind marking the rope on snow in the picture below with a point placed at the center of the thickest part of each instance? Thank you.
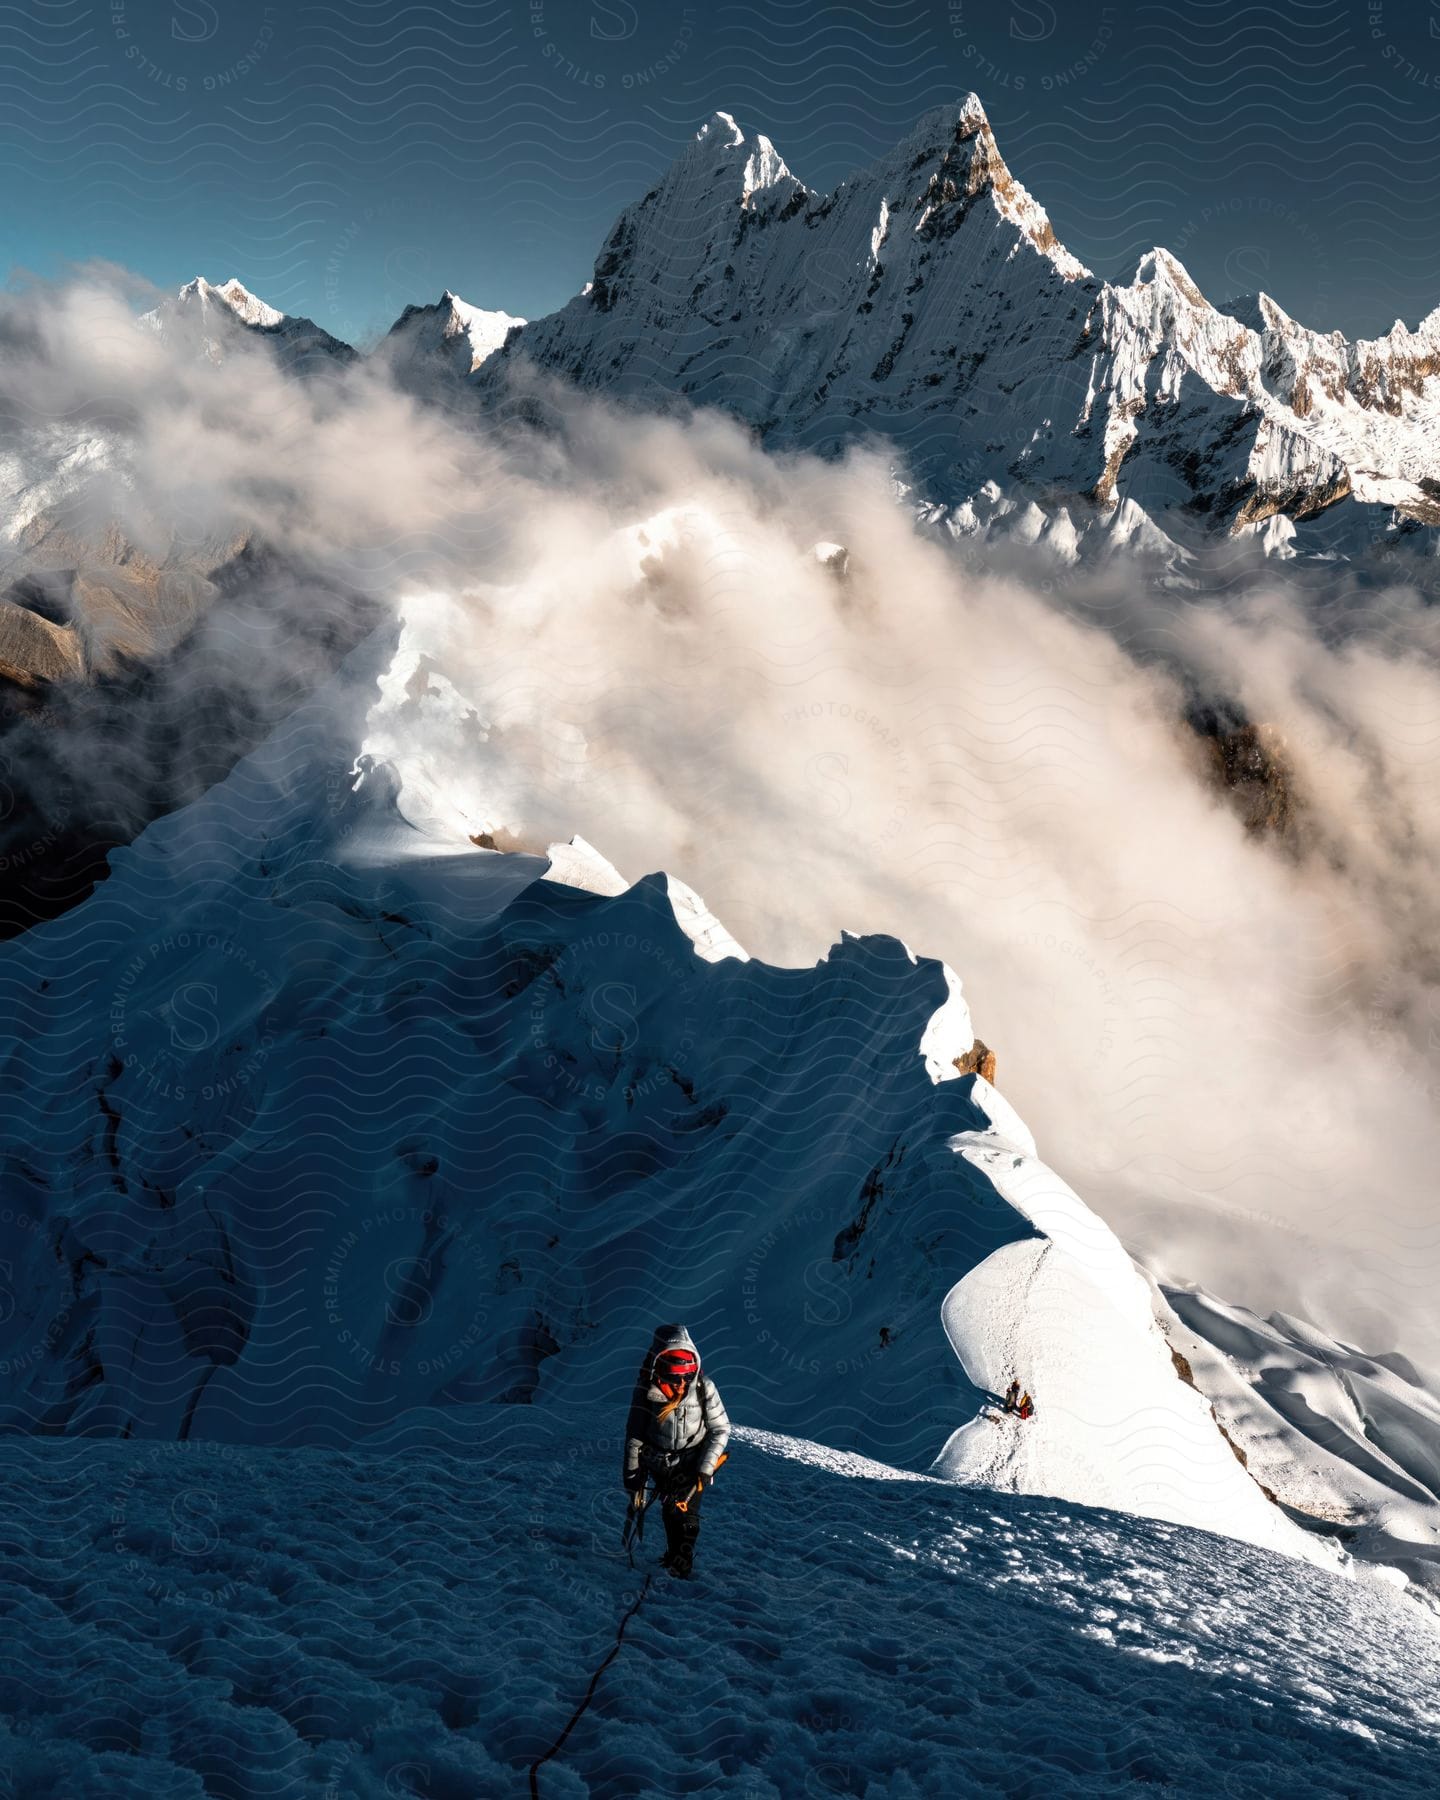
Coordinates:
(574, 1719)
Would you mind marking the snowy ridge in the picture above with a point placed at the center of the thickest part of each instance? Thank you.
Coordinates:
(382, 1120)
(1114, 1428)
(1344, 1441)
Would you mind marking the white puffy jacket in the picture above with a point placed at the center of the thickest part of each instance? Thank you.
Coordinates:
(694, 1435)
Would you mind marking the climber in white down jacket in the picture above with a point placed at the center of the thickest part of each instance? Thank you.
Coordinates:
(677, 1431)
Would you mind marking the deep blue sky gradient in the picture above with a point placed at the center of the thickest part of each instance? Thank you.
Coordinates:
(348, 157)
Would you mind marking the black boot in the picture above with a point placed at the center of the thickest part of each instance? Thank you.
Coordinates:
(681, 1531)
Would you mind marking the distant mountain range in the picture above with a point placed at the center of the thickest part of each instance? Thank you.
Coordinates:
(925, 304)
(928, 300)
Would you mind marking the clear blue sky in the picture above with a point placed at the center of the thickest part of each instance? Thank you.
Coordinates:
(346, 158)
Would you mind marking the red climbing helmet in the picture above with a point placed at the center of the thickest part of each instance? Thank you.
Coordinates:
(679, 1364)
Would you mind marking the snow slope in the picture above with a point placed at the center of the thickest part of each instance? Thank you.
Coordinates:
(424, 1617)
(1106, 1418)
(313, 1117)
(1347, 1442)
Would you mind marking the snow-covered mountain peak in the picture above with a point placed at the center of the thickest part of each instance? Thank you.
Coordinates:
(428, 346)
(722, 153)
(235, 297)
(720, 132)
(948, 122)
(949, 159)
(954, 135)
(214, 318)
(1258, 312)
(1158, 267)
(248, 306)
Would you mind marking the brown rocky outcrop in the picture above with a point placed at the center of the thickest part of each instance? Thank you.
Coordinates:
(979, 1059)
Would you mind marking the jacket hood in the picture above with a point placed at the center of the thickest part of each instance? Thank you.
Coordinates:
(669, 1337)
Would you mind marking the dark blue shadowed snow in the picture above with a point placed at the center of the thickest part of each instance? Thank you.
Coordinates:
(310, 1116)
(188, 1620)
(346, 1176)
(307, 1122)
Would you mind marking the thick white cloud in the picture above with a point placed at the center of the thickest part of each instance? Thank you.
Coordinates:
(620, 626)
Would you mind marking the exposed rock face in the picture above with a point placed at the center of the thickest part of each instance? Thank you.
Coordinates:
(88, 606)
(979, 1060)
(927, 298)
(141, 702)
(1187, 1375)
(1250, 762)
(34, 649)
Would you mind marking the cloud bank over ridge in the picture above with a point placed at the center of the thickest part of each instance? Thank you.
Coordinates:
(622, 627)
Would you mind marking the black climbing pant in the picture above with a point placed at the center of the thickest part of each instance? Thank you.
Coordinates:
(681, 1528)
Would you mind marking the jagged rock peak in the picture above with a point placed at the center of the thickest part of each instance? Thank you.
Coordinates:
(1159, 266)
(951, 157)
(719, 146)
(937, 131)
(720, 132)
(448, 331)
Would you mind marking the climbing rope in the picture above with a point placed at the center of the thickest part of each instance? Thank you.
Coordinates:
(575, 1717)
